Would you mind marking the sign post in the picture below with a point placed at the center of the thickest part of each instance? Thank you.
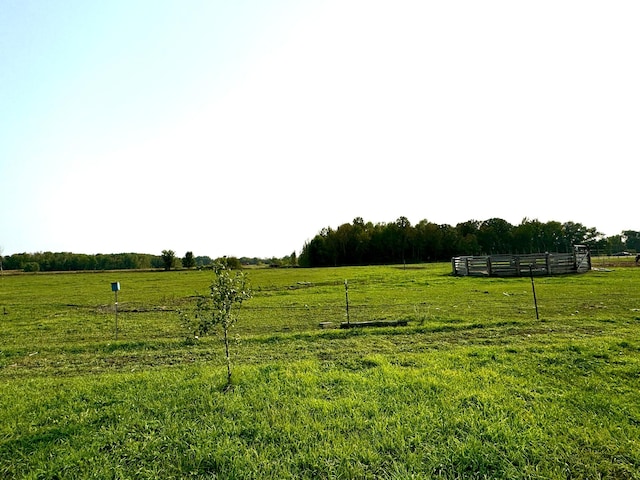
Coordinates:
(115, 287)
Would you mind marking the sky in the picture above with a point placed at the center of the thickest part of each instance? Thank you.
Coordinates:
(243, 128)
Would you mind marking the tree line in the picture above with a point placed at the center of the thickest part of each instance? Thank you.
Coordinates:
(67, 261)
(365, 243)
(167, 260)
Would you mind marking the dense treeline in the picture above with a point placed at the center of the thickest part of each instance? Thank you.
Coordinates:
(67, 261)
(361, 243)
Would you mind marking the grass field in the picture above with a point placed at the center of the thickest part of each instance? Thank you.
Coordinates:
(474, 387)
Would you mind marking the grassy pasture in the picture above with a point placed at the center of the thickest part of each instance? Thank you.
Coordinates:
(474, 387)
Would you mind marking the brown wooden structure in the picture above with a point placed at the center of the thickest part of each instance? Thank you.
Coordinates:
(579, 261)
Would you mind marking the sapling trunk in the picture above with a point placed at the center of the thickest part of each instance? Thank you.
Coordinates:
(226, 291)
(226, 351)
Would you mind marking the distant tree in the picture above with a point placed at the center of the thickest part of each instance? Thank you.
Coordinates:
(449, 240)
(526, 236)
(495, 236)
(226, 294)
(402, 233)
(577, 234)
(232, 263)
(614, 244)
(188, 261)
(551, 236)
(632, 240)
(156, 261)
(203, 261)
(16, 261)
(32, 267)
(427, 240)
(168, 259)
(251, 260)
(315, 253)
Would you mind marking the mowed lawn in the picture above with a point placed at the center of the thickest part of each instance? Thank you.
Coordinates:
(473, 387)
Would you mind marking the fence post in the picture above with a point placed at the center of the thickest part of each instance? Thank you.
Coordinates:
(547, 260)
(346, 294)
(533, 287)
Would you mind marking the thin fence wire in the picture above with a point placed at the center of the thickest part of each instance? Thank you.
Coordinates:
(477, 306)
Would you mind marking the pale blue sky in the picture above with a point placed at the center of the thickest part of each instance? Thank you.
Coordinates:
(242, 128)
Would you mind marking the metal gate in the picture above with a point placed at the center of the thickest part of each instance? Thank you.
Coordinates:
(582, 258)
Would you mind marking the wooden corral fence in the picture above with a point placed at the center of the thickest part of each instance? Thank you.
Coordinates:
(579, 261)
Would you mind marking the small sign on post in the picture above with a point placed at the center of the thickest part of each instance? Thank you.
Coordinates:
(115, 287)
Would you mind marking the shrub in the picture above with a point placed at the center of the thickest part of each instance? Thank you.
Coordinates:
(32, 267)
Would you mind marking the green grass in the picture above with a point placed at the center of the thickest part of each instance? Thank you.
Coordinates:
(473, 387)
